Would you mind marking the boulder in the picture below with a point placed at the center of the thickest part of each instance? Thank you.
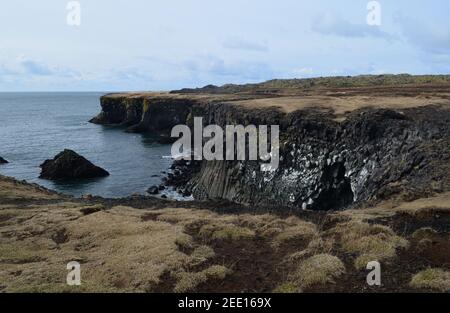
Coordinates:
(3, 161)
(70, 165)
(154, 190)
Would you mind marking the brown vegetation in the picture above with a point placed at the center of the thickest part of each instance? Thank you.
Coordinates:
(175, 249)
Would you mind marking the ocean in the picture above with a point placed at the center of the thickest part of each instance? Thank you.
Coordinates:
(36, 126)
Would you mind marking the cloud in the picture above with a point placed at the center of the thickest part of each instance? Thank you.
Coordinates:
(217, 68)
(35, 68)
(434, 39)
(240, 44)
(332, 24)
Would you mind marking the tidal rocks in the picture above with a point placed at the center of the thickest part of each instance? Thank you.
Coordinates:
(70, 165)
(153, 190)
(3, 161)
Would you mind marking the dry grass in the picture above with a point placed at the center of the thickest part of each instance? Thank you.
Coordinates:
(201, 255)
(189, 281)
(287, 288)
(423, 206)
(317, 245)
(368, 242)
(424, 233)
(339, 105)
(125, 249)
(184, 241)
(11, 189)
(432, 278)
(299, 233)
(223, 231)
(319, 269)
(117, 250)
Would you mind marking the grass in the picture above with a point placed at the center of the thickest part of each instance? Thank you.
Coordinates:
(432, 278)
(189, 281)
(299, 233)
(20, 254)
(333, 82)
(287, 288)
(223, 231)
(424, 233)
(319, 269)
(184, 241)
(123, 249)
(201, 255)
(368, 242)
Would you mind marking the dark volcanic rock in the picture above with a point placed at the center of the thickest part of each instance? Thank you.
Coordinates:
(166, 140)
(329, 165)
(3, 161)
(141, 114)
(325, 163)
(154, 190)
(70, 165)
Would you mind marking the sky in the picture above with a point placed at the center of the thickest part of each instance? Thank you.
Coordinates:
(130, 45)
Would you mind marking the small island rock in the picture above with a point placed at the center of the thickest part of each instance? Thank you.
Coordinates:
(70, 165)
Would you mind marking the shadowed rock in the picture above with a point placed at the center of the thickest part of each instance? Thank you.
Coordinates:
(154, 190)
(3, 161)
(70, 165)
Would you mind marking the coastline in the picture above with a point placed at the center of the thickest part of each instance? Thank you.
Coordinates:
(372, 142)
(242, 233)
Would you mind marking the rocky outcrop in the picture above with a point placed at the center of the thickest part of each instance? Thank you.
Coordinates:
(157, 114)
(70, 165)
(3, 161)
(325, 163)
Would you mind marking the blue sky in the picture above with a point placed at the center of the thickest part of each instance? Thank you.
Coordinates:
(163, 45)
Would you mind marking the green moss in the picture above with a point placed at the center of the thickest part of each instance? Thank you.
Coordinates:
(146, 106)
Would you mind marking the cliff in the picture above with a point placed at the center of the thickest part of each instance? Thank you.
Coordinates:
(338, 146)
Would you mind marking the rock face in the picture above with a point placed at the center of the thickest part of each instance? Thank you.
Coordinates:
(3, 161)
(70, 165)
(142, 114)
(325, 163)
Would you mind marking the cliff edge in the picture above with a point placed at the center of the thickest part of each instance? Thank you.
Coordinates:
(339, 145)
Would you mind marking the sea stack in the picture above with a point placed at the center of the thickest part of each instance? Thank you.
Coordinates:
(3, 161)
(70, 165)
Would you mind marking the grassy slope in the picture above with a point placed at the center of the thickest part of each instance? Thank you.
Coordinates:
(329, 82)
(122, 248)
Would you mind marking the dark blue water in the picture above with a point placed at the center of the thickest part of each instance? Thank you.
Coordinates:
(36, 126)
